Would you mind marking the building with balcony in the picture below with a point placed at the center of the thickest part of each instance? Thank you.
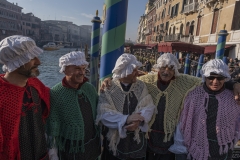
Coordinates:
(10, 19)
(150, 31)
(31, 26)
(85, 35)
(50, 33)
(163, 10)
(212, 16)
(64, 25)
(141, 30)
(190, 8)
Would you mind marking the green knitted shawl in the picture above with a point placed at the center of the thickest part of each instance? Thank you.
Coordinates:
(65, 121)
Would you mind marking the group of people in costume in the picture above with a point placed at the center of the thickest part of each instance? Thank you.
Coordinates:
(162, 116)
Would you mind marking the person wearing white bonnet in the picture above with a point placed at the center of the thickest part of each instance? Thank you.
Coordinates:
(73, 112)
(125, 110)
(214, 105)
(15, 51)
(25, 99)
(168, 88)
(215, 68)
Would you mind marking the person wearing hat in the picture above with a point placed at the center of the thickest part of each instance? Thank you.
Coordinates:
(125, 110)
(71, 125)
(24, 101)
(168, 88)
(210, 117)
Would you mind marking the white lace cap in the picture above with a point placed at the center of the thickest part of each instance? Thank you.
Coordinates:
(125, 65)
(73, 58)
(16, 51)
(216, 66)
(168, 59)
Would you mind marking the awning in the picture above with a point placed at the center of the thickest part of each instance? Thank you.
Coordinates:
(179, 47)
(212, 49)
(139, 46)
(150, 46)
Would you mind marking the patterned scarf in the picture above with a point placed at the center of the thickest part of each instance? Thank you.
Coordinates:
(194, 129)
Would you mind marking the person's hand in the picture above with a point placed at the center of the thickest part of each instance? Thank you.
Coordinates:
(105, 84)
(135, 117)
(236, 91)
(133, 126)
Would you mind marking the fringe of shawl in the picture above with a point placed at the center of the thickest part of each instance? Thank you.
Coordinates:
(145, 101)
(151, 83)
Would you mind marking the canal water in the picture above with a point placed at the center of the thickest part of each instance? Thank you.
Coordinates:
(49, 68)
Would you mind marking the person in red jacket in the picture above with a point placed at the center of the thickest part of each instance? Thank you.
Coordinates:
(24, 101)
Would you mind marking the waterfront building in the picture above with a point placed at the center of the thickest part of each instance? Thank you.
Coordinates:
(10, 19)
(163, 14)
(196, 22)
(50, 33)
(141, 29)
(85, 34)
(74, 34)
(210, 18)
(31, 26)
(64, 25)
(151, 19)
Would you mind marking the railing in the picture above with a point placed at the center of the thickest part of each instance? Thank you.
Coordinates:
(172, 37)
(187, 39)
(8, 28)
(209, 1)
(190, 8)
(147, 31)
(150, 18)
(7, 17)
(12, 10)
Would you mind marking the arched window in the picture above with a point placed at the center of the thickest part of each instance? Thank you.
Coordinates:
(174, 28)
(191, 30)
(187, 28)
(181, 29)
(170, 30)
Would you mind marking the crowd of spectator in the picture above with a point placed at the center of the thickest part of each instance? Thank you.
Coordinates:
(234, 70)
(148, 60)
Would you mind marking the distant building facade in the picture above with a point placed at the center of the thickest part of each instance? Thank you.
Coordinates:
(10, 19)
(51, 33)
(141, 29)
(31, 26)
(85, 34)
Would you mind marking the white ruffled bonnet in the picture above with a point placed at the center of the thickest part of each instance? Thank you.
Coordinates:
(168, 59)
(16, 51)
(125, 65)
(216, 66)
(73, 58)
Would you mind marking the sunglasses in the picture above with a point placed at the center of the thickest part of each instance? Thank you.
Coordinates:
(218, 78)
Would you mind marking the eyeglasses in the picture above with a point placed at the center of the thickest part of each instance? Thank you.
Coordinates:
(166, 67)
(218, 78)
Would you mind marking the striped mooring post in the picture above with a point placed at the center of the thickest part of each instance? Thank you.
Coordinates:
(200, 64)
(177, 55)
(187, 65)
(225, 60)
(113, 38)
(95, 37)
(222, 36)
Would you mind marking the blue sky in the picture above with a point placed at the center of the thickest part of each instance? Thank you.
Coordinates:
(80, 11)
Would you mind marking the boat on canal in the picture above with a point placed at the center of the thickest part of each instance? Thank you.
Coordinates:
(51, 46)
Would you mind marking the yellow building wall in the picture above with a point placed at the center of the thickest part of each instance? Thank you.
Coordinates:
(190, 18)
(203, 39)
(226, 17)
(206, 23)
